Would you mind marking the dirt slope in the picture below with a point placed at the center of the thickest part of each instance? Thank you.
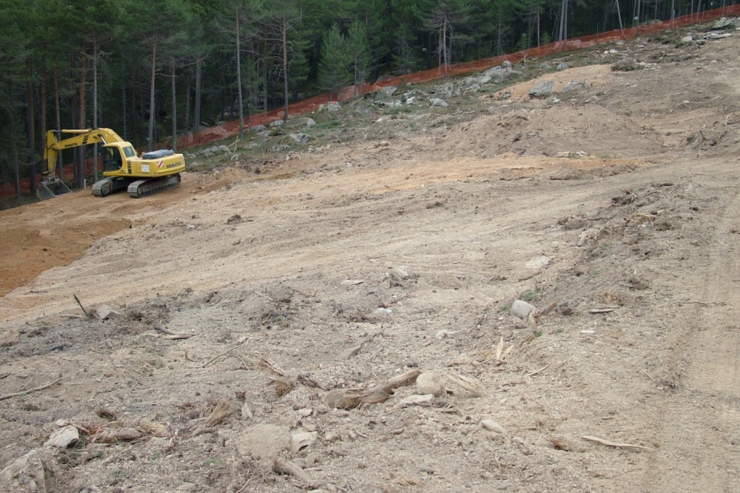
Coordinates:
(395, 241)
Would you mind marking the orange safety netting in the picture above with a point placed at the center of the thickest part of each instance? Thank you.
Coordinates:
(230, 129)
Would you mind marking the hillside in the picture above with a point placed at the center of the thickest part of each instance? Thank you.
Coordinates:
(302, 269)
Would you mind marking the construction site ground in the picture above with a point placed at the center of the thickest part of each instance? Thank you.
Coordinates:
(305, 262)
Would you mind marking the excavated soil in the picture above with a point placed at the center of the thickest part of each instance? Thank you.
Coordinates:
(245, 302)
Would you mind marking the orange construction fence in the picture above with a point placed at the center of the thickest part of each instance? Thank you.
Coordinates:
(230, 129)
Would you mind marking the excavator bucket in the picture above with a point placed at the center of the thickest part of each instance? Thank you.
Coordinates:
(52, 188)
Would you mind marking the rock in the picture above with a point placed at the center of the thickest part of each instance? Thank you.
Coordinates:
(308, 122)
(330, 106)
(104, 312)
(388, 91)
(506, 64)
(542, 89)
(521, 309)
(687, 39)
(247, 411)
(300, 441)
(725, 23)
(417, 400)
(576, 86)
(28, 474)
(383, 311)
(538, 262)
(263, 442)
(300, 138)
(410, 100)
(562, 66)
(338, 399)
(429, 383)
(64, 437)
(438, 102)
(491, 425)
(258, 128)
(276, 123)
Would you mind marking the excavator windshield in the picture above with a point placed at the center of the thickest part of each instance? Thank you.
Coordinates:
(112, 161)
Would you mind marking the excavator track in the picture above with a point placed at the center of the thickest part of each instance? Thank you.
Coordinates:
(142, 188)
(107, 186)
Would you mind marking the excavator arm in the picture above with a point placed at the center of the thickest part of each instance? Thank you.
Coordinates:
(79, 138)
(51, 186)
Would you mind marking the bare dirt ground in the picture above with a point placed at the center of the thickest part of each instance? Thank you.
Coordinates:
(394, 242)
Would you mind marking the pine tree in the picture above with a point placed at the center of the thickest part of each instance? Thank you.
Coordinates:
(334, 67)
(358, 52)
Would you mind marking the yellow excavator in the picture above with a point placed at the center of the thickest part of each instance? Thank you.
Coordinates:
(122, 169)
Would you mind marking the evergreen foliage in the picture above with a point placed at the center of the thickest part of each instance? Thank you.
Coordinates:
(153, 69)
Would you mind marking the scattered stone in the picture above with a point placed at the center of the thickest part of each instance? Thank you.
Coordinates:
(234, 219)
(330, 106)
(576, 86)
(388, 91)
(417, 400)
(263, 442)
(308, 122)
(299, 441)
(276, 123)
(258, 128)
(438, 102)
(725, 23)
(104, 312)
(300, 138)
(626, 66)
(542, 89)
(687, 39)
(506, 64)
(538, 262)
(64, 437)
(29, 473)
(383, 311)
(521, 309)
(213, 151)
(562, 66)
(305, 412)
(153, 428)
(430, 383)
(491, 425)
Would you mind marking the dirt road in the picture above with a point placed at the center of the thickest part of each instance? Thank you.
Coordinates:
(398, 240)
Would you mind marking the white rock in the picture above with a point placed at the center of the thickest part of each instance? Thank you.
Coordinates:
(538, 262)
(491, 425)
(300, 441)
(521, 309)
(417, 400)
(64, 437)
(429, 383)
(263, 441)
(438, 102)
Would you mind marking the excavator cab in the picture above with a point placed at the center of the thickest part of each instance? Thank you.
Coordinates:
(112, 160)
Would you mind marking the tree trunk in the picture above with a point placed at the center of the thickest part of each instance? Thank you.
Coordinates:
(58, 120)
(239, 77)
(16, 163)
(82, 121)
(187, 105)
(196, 116)
(31, 127)
(95, 107)
(42, 99)
(285, 67)
(174, 109)
(123, 95)
(150, 140)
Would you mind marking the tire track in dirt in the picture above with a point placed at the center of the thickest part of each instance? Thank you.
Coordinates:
(700, 421)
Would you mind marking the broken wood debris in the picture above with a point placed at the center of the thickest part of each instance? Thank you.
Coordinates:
(171, 335)
(81, 307)
(37, 389)
(341, 399)
(615, 444)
